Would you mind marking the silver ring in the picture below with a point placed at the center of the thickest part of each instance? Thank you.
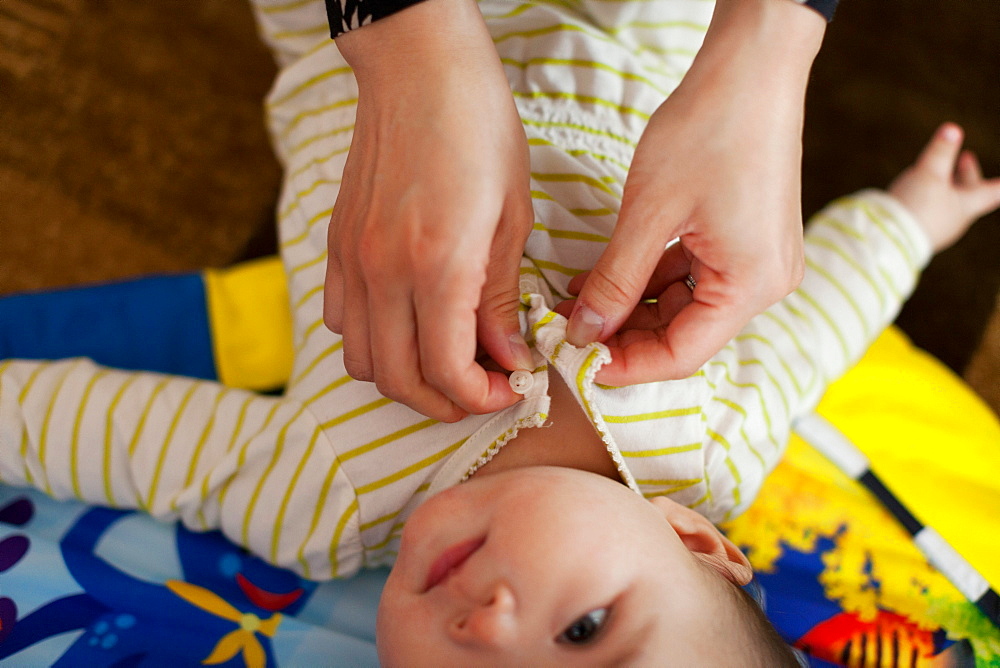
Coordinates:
(690, 282)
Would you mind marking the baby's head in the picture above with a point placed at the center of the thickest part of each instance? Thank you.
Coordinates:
(555, 566)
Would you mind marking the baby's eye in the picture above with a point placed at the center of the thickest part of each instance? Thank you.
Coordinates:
(584, 629)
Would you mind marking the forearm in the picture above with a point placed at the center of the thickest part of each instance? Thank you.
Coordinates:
(757, 54)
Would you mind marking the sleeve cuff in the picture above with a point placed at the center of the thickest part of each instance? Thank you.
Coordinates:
(347, 15)
(824, 7)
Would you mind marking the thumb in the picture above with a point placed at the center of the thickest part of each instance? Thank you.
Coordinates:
(616, 283)
(939, 156)
(497, 323)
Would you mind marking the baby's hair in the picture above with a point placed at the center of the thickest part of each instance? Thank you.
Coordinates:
(764, 646)
(749, 631)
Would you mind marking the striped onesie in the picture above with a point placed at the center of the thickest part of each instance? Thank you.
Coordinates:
(322, 478)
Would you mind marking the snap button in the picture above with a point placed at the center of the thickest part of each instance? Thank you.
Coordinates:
(521, 381)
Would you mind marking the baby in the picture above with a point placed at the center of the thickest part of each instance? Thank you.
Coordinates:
(528, 535)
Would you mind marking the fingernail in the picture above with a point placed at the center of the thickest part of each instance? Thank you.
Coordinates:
(585, 326)
(950, 133)
(521, 352)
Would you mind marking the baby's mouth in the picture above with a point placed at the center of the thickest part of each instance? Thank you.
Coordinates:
(450, 560)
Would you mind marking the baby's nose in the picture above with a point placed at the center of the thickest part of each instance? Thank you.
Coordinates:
(491, 623)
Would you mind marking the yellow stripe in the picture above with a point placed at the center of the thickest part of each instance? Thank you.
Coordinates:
(241, 457)
(295, 150)
(379, 442)
(312, 292)
(743, 434)
(108, 432)
(760, 399)
(24, 434)
(229, 448)
(669, 490)
(166, 446)
(546, 319)
(302, 32)
(579, 236)
(586, 99)
(574, 178)
(538, 141)
(834, 248)
(667, 482)
(582, 128)
(552, 266)
(200, 445)
(302, 115)
(335, 542)
(381, 520)
(307, 332)
(361, 410)
(74, 447)
(321, 504)
(795, 340)
(412, 468)
(843, 228)
(311, 81)
(829, 321)
(642, 417)
(777, 354)
(274, 9)
(884, 228)
(305, 193)
(657, 25)
(589, 64)
(279, 520)
(838, 286)
(319, 358)
(763, 367)
(343, 380)
(279, 447)
(311, 263)
(394, 533)
(145, 414)
(673, 450)
(315, 161)
(581, 376)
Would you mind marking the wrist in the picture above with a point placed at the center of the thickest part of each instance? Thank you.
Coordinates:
(776, 40)
(427, 37)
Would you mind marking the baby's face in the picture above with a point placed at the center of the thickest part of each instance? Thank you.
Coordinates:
(544, 566)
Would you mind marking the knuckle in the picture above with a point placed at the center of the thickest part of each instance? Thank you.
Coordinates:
(356, 368)
(610, 287)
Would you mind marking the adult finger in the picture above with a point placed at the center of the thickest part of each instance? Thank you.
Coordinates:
(696, 333)
(355, 325)
(446, 339)
(938, 157)
(398, 375)
(618, 279)
(333, 288)
(498, 327)
(673, 266)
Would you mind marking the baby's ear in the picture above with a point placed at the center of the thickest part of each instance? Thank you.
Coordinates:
(705, 541)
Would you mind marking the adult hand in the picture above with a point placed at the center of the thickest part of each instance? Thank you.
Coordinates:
(719, 167)
(434, 209)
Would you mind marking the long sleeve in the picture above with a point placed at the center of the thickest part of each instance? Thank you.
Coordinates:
(214, 457)
(863, 257)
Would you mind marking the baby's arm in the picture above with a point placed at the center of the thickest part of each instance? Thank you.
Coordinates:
(214, 457)
(863, 257)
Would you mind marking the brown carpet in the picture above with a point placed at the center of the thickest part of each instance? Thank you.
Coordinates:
(131, 141)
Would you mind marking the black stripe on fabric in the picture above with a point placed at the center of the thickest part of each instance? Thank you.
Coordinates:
(989, 603)
(891, 503)
(824, 7)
